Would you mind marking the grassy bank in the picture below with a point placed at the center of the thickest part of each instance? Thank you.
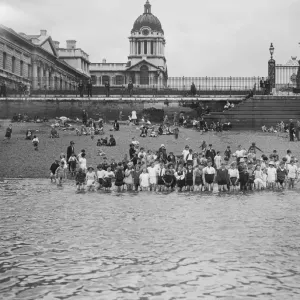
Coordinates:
(18, 158)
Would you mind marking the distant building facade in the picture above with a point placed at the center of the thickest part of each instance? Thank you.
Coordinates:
(37, 61)
(146, 65)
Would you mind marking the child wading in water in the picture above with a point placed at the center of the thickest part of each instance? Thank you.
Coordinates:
(168, 180)
(119, 177)
(144, 180)
(72, 162)
(53, 169)
(189, 182)
(90, 179)
(60, 173)
(80, 180)
(208, 176)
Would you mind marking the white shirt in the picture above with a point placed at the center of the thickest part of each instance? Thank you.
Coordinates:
(101, 174)
(152, 171)
(240, 153)
(292, 171)
(218, 159)
(110, 174)
(209, 170)
(35, 140)
(133, 115)
(271, 174)
(144, 178)
(185, 153)
(82, 163)
(233, 173)
(288, 157)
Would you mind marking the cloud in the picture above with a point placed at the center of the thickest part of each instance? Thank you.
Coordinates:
(204, 38)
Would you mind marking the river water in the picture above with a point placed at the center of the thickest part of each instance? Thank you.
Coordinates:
(56, 244)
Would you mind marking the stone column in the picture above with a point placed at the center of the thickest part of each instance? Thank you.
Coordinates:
(34, 76)
(46, 78)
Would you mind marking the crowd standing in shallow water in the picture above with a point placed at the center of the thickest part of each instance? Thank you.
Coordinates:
(147, 170)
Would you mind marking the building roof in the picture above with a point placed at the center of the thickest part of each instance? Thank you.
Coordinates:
(293, 62)
(147, 20)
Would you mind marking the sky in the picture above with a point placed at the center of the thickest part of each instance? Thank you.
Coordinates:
(204, 38)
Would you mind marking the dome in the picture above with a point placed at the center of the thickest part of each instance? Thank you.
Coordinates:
(147, 20)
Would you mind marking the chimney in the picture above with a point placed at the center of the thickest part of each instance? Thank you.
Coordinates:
(104, 61)
(56, 44)
(43, 32)
(71, 44)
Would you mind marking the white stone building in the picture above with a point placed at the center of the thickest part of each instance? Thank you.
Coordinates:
(146, 65)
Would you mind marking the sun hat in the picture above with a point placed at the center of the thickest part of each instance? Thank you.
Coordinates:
(90, 167)
(271, 163)
(162, 146)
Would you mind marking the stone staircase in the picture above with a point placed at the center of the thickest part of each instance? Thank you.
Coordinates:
(260, 110)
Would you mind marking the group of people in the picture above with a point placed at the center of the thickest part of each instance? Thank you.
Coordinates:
(265, 85)
(147, 170)
(293, 128)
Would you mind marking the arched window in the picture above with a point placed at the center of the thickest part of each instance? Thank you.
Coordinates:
(104, 79)
(144, 75)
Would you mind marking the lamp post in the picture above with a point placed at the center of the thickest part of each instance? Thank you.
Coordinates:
(272, 68)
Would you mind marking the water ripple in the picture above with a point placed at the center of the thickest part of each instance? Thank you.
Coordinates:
(55, 244)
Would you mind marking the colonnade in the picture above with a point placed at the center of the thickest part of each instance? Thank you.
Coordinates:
(45, 77)
(158, 46)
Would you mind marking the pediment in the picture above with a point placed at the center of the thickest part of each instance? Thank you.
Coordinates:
(137, 67)
(48, 46)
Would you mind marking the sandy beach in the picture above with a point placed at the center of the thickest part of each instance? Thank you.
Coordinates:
(18, 158)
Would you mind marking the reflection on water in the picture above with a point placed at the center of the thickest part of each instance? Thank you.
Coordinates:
(55, 244)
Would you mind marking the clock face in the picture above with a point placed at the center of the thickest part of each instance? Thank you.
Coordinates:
(145, 32)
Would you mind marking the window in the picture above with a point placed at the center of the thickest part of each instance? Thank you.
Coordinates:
(152, 47)
(139, 46)
(4, 60)
(105, 79)
(21, 68)
(94, 79)
(13, 64)
(119, 80)
(145, 47)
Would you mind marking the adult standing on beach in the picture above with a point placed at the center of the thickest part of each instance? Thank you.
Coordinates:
(70, 152)
(134, 117)
(84, 117)
(8, 132)
(291, 130)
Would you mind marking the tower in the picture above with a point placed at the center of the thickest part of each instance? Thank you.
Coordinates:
(146, 60)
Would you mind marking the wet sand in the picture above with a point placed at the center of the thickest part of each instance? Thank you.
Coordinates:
(18, 158)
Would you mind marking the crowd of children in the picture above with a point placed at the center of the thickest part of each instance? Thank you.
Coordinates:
(197, 171)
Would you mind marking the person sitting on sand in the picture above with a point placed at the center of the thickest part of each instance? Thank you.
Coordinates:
(116, 126)
(144, 131)
(112, 141)
(28, 135)
(54, 133)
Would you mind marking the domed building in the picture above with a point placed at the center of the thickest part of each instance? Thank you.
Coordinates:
(146, 64)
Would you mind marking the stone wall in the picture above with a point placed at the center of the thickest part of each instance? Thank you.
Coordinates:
(110, 109)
